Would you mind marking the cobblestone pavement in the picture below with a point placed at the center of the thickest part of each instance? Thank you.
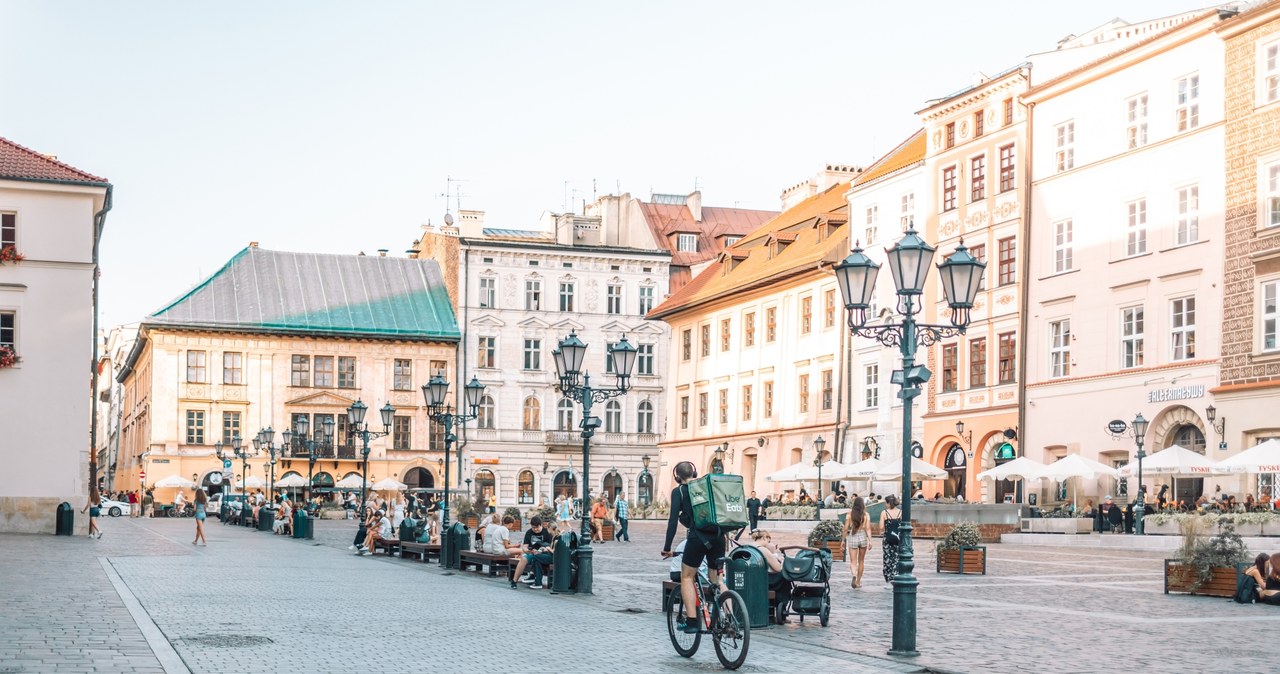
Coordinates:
(252, 602)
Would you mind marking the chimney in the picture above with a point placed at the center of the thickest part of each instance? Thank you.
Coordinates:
(471, 223)
(382, 252)
(253, 244)
(694, 203)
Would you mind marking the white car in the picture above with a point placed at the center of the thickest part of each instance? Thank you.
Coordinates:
(114, 508)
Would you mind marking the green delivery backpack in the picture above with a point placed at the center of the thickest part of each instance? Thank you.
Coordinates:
(718, 503)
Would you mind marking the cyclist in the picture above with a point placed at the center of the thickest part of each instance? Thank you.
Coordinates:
(698, 547)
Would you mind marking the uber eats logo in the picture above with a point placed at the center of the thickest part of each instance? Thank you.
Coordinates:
(733, 503)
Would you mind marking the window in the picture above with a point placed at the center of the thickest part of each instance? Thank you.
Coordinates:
(768, 400)
(828, 389)
(533, 354)
(746, 402)
(948, 188)
(1272, 204)
(8, 328)
(532, 414)
(195, 427)
(533, 295)
(564, 415)
(488, 293)
(724, 334)
(402, 432)
(644, 359)
(402, 374)
(644, 417)
(323, 371)
(951, 135)
(1007, 170)
(1137, 233)
(613, 417)
(485, 413)
(802, 390)
(346, 372)
(686, 344)
(1008, 263)
(770, 325)
(703, 404)
(724, 406)
(1270, 316)
(524, 487)
(730, 240)
(806, 315)
(1188, 227)
(1132, 328)
(829, 308)
(646, 299)
(907, 212)
(487, 352)
(1182, 328)
(300, 371)
(1008, 111)
(873, 224)
(979, 252)
(749, 329)
(1186, 114)
(684, 412)
(950, 356)
(978, 178)
(1008, 357)
(8, 230)
(687, 243)
(1060, 348)
(1065, 146)
(232, 368)
(704, 344)
(197, 372)
(566, 296)
(230, 426)
(1270, 74)
(1136, 116)
(977, 362)
(979, 118)
(1062, 248)
(613, 300)
(871, 385)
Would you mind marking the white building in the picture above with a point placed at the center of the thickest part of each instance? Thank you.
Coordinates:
(53, 215)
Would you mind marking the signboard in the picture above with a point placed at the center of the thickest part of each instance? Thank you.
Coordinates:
(1175, 393)
(215, 479)
(1222, 445)
(1116, 427)
(142, 475)
(486, 462)
(917, 450)
(955, 458)
(1006, 452)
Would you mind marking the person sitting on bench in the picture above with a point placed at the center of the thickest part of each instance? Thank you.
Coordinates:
(537, 552)
(497, 538)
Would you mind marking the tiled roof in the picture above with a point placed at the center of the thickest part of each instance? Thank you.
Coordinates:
(717, 222)
(18, 162)
(811, 247)
(316, 294)
(911, 150)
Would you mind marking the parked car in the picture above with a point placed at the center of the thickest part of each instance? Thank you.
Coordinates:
(115, 508)
(214, 508)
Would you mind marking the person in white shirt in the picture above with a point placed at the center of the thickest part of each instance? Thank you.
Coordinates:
(497, 538)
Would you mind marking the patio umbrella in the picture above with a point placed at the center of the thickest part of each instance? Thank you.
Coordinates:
(920, 470)
(291, 481)
(788, 474)
(254, 482)
(1020, 468)
(174, 481)
(1074, 465)
(350, 482)
(1175, 461)
(388, 484)
(862, 470)
(1260, 458)
(831, 470)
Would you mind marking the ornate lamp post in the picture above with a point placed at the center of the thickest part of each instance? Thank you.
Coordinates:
(313, 444)
(240, 452)
(646, 480)
(909, 261)
(1211, 415)
(265, 440)
(436, 395)
(576, 385)
(1140, 425)
(355, 421)
(717, 464)
(818, 446)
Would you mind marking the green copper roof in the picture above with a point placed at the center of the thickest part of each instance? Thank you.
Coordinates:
(315, 294)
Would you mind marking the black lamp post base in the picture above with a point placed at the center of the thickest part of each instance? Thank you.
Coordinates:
(584, 569)
(904, 654)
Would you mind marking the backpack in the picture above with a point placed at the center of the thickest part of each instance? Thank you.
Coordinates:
(1246, 590)
(718, 503)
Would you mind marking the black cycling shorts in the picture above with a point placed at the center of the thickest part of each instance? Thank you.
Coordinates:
(695, 551)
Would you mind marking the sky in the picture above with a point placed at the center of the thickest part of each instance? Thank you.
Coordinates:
(338, 127)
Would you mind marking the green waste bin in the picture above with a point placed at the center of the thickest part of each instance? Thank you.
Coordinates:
(246, 514)
(266, 519)
(748, 575)
(562, 561)
(406, 529)
(457, 539)
(65, 522)
(302, 524)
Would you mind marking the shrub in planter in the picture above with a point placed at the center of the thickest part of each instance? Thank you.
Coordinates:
(464, 510)
(961, 551)
(546, 512)
(826, 535)
(1206, 567)
(514, 513)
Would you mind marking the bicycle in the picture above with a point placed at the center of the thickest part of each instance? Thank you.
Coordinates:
(187, 510)
(725, 619)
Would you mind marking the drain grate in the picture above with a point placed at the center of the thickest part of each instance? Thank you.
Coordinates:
(228, 640)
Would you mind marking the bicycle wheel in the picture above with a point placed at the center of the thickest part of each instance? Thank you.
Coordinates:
(173, 512)
(730, 629)
(685, 644)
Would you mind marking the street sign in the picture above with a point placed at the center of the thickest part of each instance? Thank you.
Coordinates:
(1116, 427)
(142, 475)
(215, 479)
(226, 463)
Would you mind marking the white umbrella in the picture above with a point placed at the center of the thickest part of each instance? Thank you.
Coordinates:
(920, 470)
(1020, 468)
(831, 470)
(388, 484)
(290, 481)
(350, 482)
(862, 470)
(788, 474)
(254, 482)
(1074, 465)
(1261, 458)
(1175, 461)
(174, 481)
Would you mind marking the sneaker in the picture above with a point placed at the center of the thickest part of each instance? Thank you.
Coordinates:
(527, 576)
(513, 585)
(690, 627)
(528, 580)
(99, 534)
(536, 586)
(351, 547)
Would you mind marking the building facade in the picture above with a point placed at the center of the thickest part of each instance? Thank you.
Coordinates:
(112, 354)
(275, 336)
(51, 215)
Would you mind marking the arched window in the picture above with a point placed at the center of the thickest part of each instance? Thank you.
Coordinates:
(613, 417)
(484, 412)
(524, 489)
(565, 485)
(644, 418)
(611, 485)
(532, 414)
(564, 415)
(419, 478)
(484, 485)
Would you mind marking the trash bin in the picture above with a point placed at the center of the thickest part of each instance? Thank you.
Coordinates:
(65, 521)
(748, 575)
(302, 524)
(266, 519)
(457, 539)
(563, 578)
(246, 514)
(407, 529)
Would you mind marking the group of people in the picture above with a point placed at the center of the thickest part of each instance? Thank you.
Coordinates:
(1266, 577)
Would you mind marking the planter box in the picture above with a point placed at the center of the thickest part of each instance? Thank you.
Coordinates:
(515, 526)
(333, 514)
(1057, 525)
(1271, 528)
(472, 521)
(1180, 577)
(837, 549)
(964, 560)
(1166, 529)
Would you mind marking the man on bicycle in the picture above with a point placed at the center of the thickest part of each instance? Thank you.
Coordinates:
(698, 547)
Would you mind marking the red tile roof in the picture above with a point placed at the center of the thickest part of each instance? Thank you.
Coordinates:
(717, 222)
(18, 162)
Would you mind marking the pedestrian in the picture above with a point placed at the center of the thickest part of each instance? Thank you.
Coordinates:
(398, 513)
(94, 506)
(856, 527)
(148, 504)
(598, 512)
(764, 508)
(133, 503)
(178, 500)
(889, 536)
(620, 511)
(201, 500)
(753, 515)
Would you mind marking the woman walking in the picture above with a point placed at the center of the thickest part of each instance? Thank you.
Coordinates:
(201, 500)
(94, 506)
(856, 526)
(891, 519)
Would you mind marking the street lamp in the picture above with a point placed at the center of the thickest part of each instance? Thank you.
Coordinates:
(909, 260)
(319, 441)
(1211, 413)
(266, 440)
(355, 420)
(237, 450)
(436, 394)
(870, 448)
(645, 482)
(717, 464)
(568, 359)
(966, 439)
(818, 445)
(1140, 425)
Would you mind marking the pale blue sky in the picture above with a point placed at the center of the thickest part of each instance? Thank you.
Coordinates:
(331, 126)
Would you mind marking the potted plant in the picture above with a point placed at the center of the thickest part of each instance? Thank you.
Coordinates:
(464, 510)
(8, 357)
(11, 255)
(1209, 567)
(514, 513)
(961, 551)
(826, 535)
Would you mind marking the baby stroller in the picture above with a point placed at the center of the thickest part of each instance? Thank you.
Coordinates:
(809, 573)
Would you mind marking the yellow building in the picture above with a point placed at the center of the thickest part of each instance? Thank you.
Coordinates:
(273, 337)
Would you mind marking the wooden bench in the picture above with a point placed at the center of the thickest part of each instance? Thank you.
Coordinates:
(423, 551)
(391, 545)
(481, 560)
(669, 586)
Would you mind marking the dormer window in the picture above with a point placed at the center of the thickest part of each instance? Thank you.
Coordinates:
(730, 240)
(687, 243)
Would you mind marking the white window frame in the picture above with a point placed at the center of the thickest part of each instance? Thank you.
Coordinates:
(1182, 328)
(531, 354)
(1268, 69)
(687, 243)
(488, 292)
(873, 222)
(908, 210)
(1064, 156)
(644, 360)
(1269, 192)
(1186, 102)
(1269, 315)
(613, 298)
(1063, 252)
(870, 386)
(1136, 121)
(568, 296)
(1187, 220)
(533, 295)
(1136, 227)
(1132, 337)
(646, 299)
(1060, 348)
